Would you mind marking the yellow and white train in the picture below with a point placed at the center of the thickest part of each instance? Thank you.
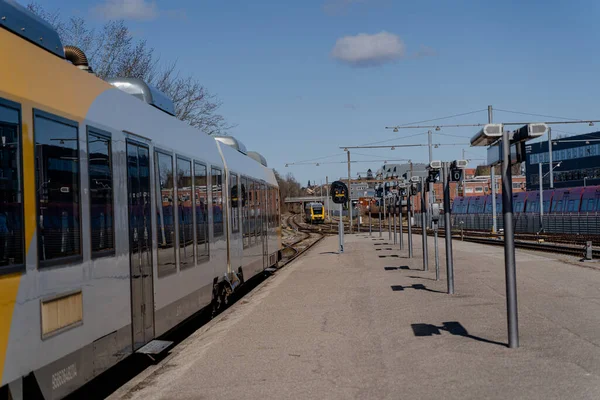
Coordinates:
(117, 221)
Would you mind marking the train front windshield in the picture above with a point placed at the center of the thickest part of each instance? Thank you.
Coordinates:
(318, 210)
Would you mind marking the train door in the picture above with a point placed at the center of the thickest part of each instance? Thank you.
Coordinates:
(140, 243)
(263, 219)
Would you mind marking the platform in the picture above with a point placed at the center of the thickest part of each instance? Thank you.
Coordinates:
(360, 326)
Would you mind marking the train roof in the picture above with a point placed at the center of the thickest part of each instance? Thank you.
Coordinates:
(145, 92)
(22, 22)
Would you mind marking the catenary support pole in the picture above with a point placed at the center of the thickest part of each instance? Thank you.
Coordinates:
(493, 177)
(389, 218)
(350, 193)
(341, 230)
(408, 212)
(328, 199)
(394, 217)
(401, 227)
(550, 157)
(379, 208)
(424, 226)
(542, 197)
(370, 223)
(509, 245)
(448, 230)
(437, 257)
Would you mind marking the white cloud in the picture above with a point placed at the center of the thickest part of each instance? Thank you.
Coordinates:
(128, 9)
(364, 50)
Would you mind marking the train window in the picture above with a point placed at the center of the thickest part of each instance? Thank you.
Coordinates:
(590, 206)
(11, 192)
(217, 200)
(259, 211)
(185, 214)
(201, 188)
(165, 221)
(101, 193)
(58, 201)
(245, 221)
(250, 212)
(235, 200)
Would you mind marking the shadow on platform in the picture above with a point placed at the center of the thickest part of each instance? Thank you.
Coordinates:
(453, 327)
(416, 286)
(396, 268)
(421, 277)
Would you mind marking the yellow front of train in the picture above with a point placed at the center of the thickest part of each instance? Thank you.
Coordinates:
(317, 214)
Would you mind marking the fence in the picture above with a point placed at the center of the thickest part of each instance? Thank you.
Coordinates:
(577, 224)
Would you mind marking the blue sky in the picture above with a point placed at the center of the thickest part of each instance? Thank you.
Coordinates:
(300, 81)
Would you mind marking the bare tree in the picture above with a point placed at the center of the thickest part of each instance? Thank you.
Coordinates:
(113, 52)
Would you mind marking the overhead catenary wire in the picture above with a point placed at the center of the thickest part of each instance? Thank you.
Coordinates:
(537, 115)
(394, 139)
(448, 117)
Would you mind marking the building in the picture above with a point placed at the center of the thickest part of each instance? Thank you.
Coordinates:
(404, 170)
(482, 185)
(576, 162)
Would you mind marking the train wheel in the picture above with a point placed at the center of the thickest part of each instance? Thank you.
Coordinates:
(220, 299)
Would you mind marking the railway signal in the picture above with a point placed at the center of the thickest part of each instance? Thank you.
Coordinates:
(339, 195)
(456, 170)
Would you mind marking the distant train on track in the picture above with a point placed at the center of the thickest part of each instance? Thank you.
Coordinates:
(314, 213)
(117, 220)
(577, 200)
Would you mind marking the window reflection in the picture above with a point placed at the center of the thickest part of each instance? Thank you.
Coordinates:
(11, 199)
(164, 214)
(217, 200)
(201, 199)
(57, 167)
(101, 192)
(245, 214)
(185, 214)
(235, 199)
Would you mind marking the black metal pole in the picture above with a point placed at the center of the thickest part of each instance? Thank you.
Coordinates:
(435, 244)
(341, 230)
(448, 230)
(370, 223)
(424, 227)
(379, 208)
(408, 210)
(401, 227)
(389, 219)
(509, 245)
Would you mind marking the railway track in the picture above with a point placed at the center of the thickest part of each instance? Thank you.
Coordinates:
(299, 239)
(570, 248)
